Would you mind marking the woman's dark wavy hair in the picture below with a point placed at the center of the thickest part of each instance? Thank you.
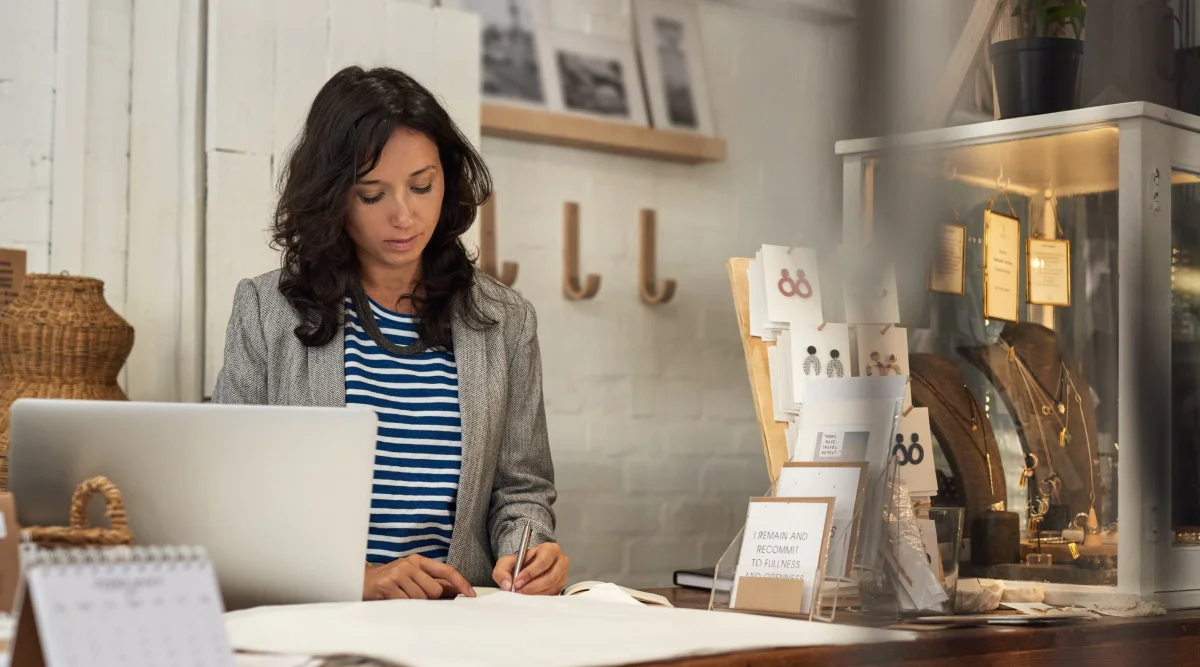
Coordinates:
(351, 118)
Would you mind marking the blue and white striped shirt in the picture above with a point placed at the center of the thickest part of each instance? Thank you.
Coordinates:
(418, 456)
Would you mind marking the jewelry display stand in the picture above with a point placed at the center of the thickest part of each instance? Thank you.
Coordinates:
(962, 430)
(1053, 409)
(873, 581)
(837, 584)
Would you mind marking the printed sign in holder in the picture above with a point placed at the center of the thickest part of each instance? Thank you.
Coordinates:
(836, 585)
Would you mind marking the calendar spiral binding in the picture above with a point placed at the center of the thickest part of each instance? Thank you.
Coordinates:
(33, 556)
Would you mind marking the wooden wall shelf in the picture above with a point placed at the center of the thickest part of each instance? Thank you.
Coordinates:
(579, 132)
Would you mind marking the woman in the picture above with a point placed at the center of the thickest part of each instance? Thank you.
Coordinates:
(379, 305)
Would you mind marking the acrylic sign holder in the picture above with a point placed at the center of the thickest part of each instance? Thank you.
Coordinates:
(838, 585)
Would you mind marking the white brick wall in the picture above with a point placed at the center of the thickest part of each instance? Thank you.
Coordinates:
(650, 418)
(653, 432)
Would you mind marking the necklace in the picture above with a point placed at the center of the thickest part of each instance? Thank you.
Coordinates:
(1057, 397)
(1030, 380)
(964, 420)
(1087, 438)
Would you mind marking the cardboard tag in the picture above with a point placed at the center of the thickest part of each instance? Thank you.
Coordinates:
(784, 539)
(10, 544)
(12, 275)
(779, 596)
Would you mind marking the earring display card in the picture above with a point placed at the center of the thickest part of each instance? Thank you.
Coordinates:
(913, 450)
(870, 293)
(759, 326)
(818, 353)
(792, 288)
(846, 483)
(884, 353)
(784, 538)
(789, 400)
(776, 368)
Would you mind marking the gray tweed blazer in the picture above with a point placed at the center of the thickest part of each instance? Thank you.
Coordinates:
(507, 474)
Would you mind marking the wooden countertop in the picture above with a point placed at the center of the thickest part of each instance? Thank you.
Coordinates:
(1162, 641)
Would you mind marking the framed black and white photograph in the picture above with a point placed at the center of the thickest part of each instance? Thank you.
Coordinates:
(668, 36)
(596, 77)
(512, 70)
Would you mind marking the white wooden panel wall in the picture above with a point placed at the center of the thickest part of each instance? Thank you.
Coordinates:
(266, 61)
(162, 296)
(70, 128)
(106, 149)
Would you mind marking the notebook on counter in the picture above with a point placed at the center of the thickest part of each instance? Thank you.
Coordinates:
(701, 579)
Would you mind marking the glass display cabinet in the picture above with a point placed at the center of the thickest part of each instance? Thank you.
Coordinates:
(1048, 270)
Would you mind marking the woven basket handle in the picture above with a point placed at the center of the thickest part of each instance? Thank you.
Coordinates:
(114, 505)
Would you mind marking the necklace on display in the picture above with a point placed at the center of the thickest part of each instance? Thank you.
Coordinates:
(1087, 438)
(973, 421)
(1029, 379)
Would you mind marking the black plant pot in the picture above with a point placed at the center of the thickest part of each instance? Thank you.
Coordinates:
(1036, 75)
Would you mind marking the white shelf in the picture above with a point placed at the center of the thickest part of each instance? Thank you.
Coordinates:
(1069, 153)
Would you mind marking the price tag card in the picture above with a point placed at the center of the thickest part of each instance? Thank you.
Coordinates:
(913, 448)
(785, 542)
(792, 287)
(823, 352)
(883, 353)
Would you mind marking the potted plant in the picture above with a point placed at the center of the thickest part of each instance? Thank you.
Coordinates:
(1039, 71)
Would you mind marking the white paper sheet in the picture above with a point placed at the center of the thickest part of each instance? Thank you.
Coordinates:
(835, 405)
(512, 630)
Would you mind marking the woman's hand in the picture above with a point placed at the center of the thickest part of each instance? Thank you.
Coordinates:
(544, 571)
(414, 578)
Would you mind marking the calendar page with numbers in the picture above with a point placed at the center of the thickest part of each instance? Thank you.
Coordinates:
(126, 607)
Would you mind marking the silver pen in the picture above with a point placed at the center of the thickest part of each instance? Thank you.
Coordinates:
(525, 535)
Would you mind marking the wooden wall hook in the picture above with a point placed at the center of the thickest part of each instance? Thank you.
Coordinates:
(573, 288)
(507, 273)
(647, 264)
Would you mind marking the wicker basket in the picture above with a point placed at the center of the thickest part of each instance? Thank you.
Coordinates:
(59, 339)
(79, 533)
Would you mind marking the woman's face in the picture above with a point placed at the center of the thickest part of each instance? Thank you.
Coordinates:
(393, 210)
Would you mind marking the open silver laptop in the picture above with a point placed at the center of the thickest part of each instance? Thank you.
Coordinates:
(279, 496)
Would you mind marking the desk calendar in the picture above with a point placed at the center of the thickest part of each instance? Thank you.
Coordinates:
(127, 607)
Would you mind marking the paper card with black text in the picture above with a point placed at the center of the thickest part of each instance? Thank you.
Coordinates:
(784, 538)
